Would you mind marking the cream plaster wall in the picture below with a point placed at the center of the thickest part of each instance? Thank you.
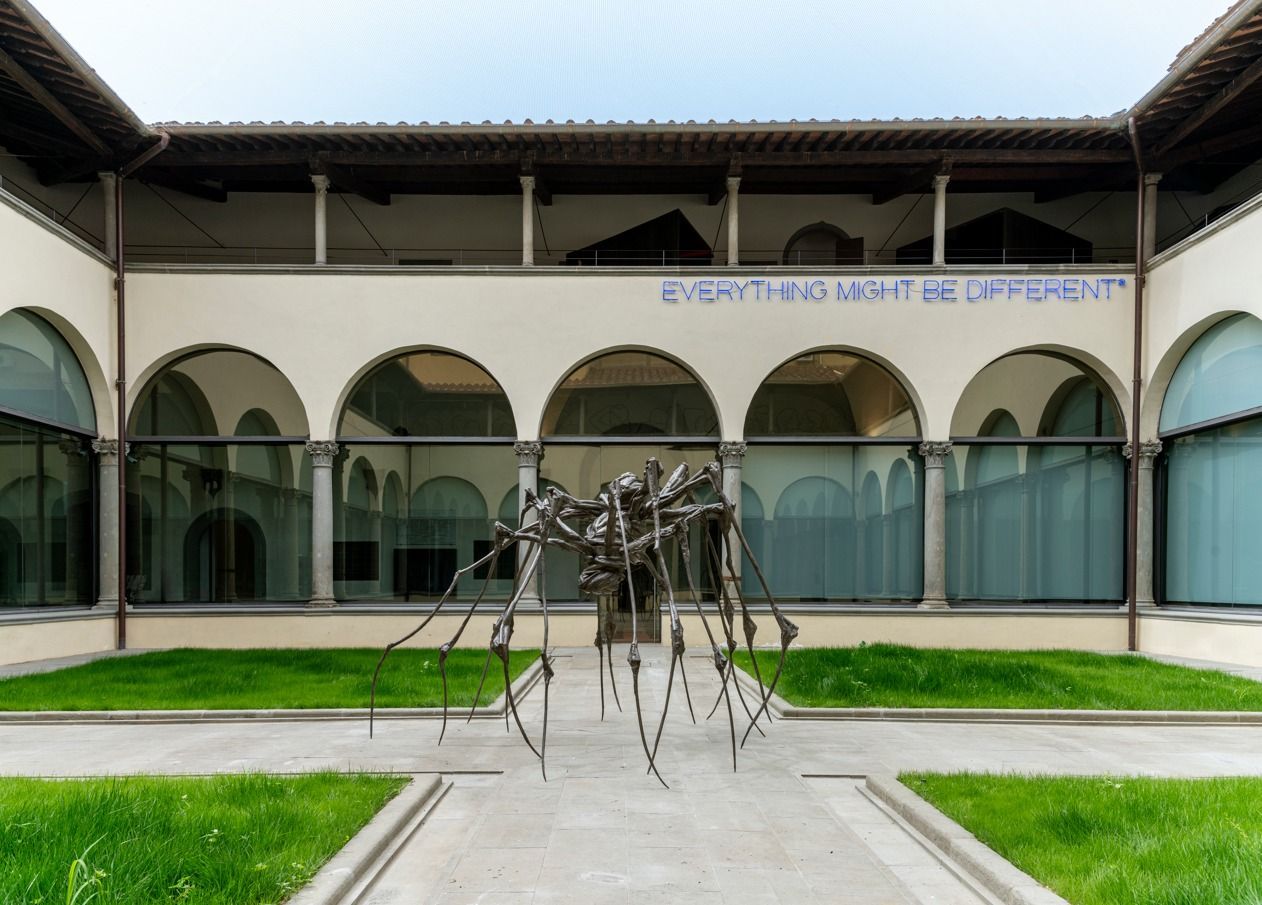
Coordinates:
(323, 330)
(1226, 637)
(21, 642)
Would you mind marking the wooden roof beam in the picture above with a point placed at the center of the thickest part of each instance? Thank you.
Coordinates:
(346, 181)
(49, 102)
(913, 182)
(185, 186)
(1225, 96)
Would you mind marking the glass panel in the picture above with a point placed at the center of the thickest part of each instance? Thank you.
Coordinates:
(219, 393)
(219, 524)
(1045, 395)
(42, 376)
(406, 517)
(1214, 516)
(428, 394)
(630, 394)
(831, 394)
(47, 518)
(1220, 375)
(846, 521)
(1035, 522)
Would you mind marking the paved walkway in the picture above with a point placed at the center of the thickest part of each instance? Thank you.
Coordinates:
(791, 825)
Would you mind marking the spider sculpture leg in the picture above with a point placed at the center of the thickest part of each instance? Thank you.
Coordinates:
(546, 512)
(728, 618)
(662, 576)
(502, 635)
(501, 543)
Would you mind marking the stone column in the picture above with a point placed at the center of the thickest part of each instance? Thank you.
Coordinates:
(1144, 560)
(289, 515)
(109, 181)
(935, 454)
(529, 454)
(1151, 181)
(732, 459)
(527, 220)
(733, 222)
(322, 455)
(107, 520)
(321, 183)
(939, 218)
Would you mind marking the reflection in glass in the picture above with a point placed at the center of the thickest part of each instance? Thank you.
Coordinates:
(1219, 376)
(847, 521)
(630, 394)
(1214, 516)
(42, 376)
(46, 517)
(219, 523)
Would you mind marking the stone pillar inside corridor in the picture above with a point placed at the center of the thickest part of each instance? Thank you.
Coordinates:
(107, 521)
(935, 454)
(321, 183)
(529, 454)
(733, 220)
(1151, 181)
(939, 218)
(1145, 559)
(527, 220)
(322, 455)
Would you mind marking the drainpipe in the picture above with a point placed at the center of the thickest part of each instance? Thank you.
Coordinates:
(120, 382)
(1137, 380)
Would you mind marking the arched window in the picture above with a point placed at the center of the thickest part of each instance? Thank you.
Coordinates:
(1211, 430)
(607, 417)
(220, 484)
(822, 245)
(1039, 515)
(435, 430)
(47, 509)
(843, 419)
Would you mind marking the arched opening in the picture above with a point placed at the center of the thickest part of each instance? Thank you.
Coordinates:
(219, 484)
(1211, 432)
(435, 432)
(842, 419)
(1039, 515)
(561, 567)
(47, 468)
(822, 245)
(608, 416)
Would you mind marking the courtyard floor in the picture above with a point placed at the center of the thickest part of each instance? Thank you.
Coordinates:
(791, 825)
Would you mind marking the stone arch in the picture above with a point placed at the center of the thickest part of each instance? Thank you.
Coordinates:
(98, 383)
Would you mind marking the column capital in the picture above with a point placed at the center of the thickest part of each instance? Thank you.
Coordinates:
(733, 183)
(321, 183)
(322, 453)
(105, 449)
(732, 452)
(1152, 178)
(528, 452)
(1148, 451)
(934, 453)
(527, 183)
(940, 181)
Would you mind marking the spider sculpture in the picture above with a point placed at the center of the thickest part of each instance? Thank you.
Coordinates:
(630, 524)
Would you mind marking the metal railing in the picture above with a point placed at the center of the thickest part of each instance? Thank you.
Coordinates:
(750, 259)
(41, 206)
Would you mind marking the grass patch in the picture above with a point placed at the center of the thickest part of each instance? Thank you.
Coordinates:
(1115, 840)
(889, 675)
(192, 679)
(218, 840)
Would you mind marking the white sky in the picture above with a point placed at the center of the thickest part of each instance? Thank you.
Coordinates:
(416, 60)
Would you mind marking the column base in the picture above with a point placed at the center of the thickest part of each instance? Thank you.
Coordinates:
(1145, 604)
(933, 603)
(106, 605)
(321, 603)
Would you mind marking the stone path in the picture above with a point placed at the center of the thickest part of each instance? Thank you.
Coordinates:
(791, 825)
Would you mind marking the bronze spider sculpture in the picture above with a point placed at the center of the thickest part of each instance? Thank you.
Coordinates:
(628, 525)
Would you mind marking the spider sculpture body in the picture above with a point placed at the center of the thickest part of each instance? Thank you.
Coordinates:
(630, 524)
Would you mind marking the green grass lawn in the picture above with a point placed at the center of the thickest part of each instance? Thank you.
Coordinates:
(1116, 840)
(217, 840)
(189, 679)
(888, 675)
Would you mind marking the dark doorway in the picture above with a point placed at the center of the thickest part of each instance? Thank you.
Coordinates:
(225, 558)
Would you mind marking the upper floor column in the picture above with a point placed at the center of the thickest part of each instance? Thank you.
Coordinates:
(1151, 180)
(939, 218)
(321, 183)
(733, 221)
(109, 182)
(527, 220)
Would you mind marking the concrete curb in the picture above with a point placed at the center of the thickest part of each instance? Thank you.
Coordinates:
(786, 711)
(996, 874)
(360, 859)
(495, 710)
